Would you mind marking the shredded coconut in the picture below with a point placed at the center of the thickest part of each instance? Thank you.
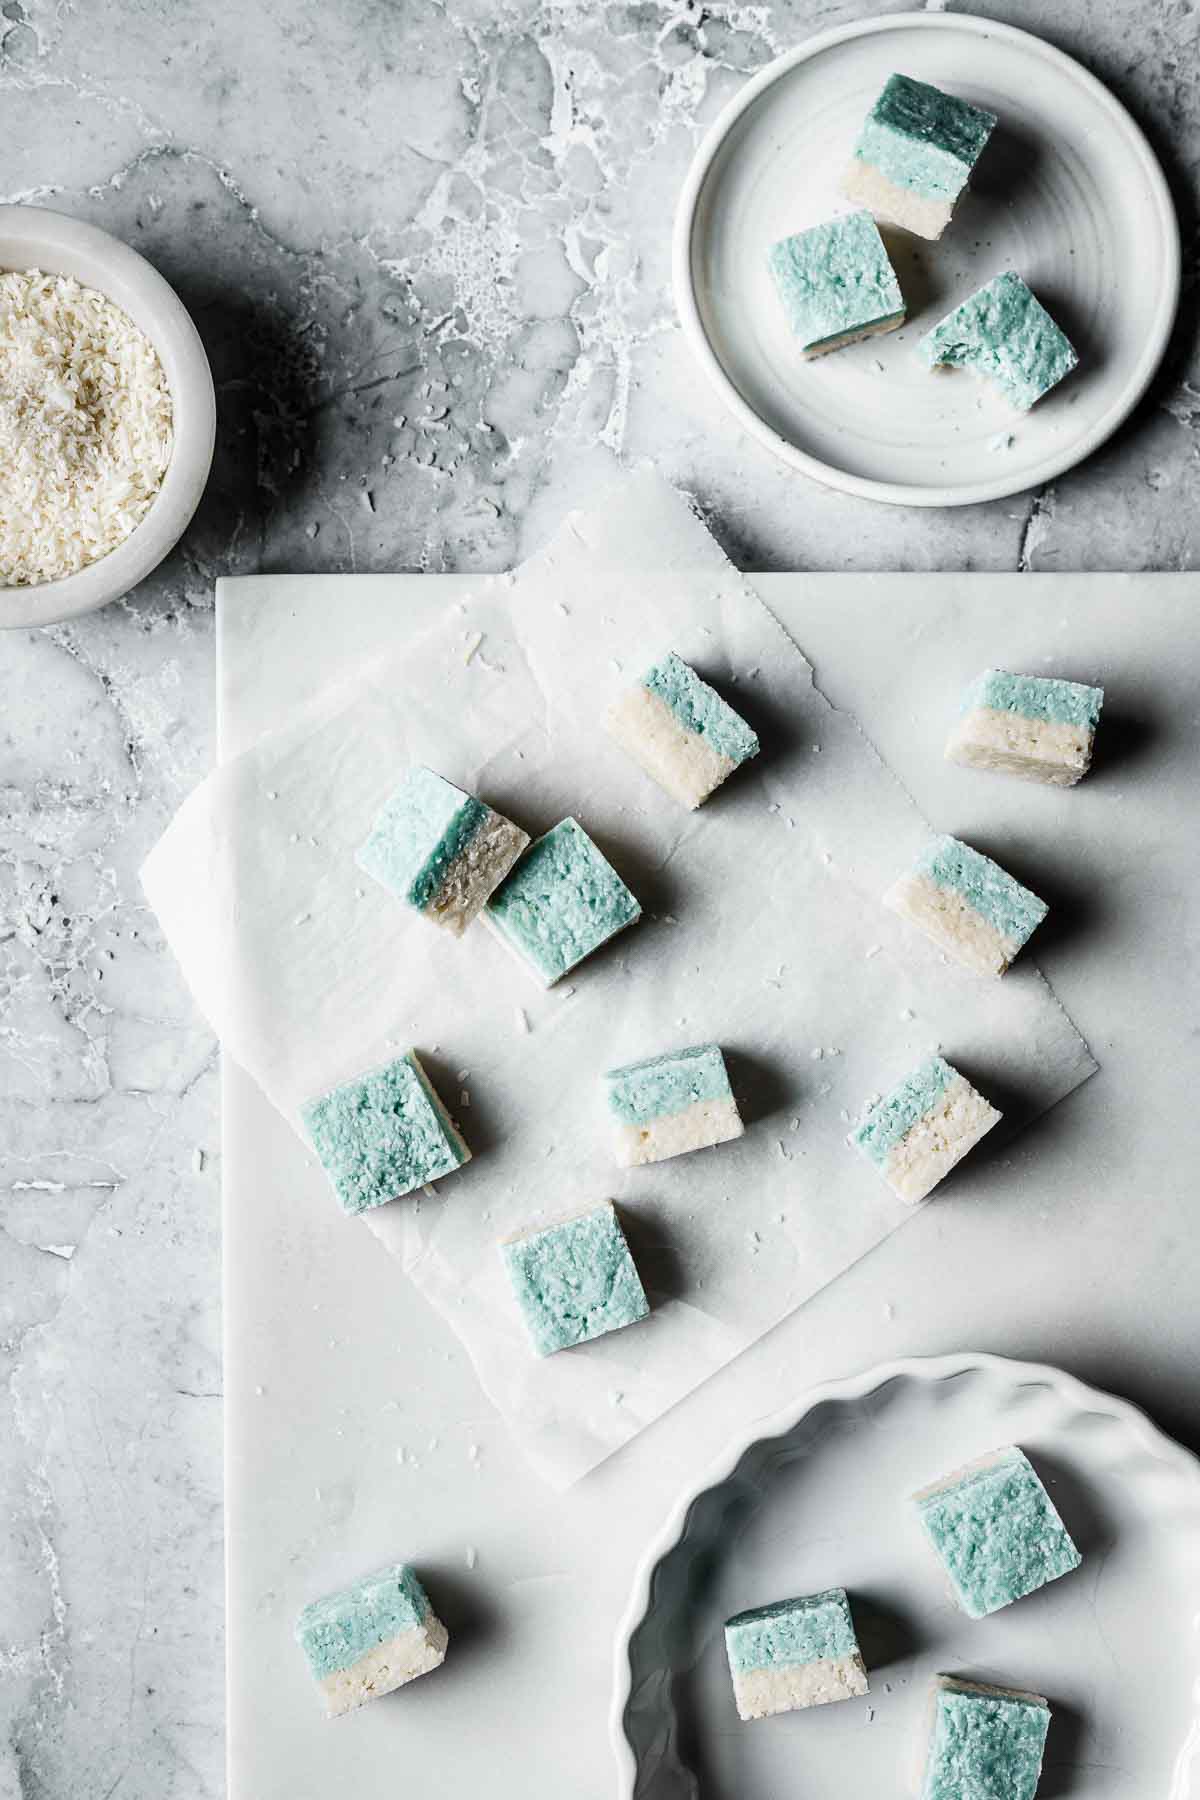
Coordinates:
(85, 424)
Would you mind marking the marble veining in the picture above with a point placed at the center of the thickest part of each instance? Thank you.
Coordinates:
(427, 248)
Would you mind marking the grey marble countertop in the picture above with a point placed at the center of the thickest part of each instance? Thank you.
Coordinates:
(427, 247)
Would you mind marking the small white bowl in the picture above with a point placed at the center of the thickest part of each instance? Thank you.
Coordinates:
(33, 237)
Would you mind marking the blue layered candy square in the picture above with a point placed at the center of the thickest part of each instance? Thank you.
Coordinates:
(574, 1280)
(836, 284)
(371, 1638)
(996, 1531)
(561, 902)
(915, 154)
(440, 849)
(680, 731)
(971, 908)
(985, 1742)
(1038, 727)
(794, 1653)
(383, 1134)
(670, 1104)
(1004, 333)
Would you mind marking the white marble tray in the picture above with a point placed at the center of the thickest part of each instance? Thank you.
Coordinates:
(355, 1428)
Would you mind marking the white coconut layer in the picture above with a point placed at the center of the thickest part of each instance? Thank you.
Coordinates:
(812, 351)
(987, 737)
(929, 1150)
(682, 762)
(435, 1100)
(703, 1123)
(864, 183)
(992, 1460)
(386, 1667)
(790, 1686)
(952, 923)
(476, 872)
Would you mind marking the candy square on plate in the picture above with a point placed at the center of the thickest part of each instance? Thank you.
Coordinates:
(1034, 726)
(680, 731)
(984, 1742)
(371, 1638)
(915, 155)
(968, 905)
(439, 849)
(383, 1134)
(996, 1531)
(793, 1654)
(574, 1280)
(928, 1122)
(672, 1103)
(561, 902)
(1006, 335)
(836, 284)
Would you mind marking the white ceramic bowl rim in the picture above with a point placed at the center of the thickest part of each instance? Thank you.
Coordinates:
(787, 1419)
(897, 493)
(37, 237)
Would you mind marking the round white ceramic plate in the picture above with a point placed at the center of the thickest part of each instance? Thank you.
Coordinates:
(1068, 193)
(818, 1498)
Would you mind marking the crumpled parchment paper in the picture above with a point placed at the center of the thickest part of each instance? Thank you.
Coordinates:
(763, 930)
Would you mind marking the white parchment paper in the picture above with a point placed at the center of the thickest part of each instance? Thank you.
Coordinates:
(763, 930)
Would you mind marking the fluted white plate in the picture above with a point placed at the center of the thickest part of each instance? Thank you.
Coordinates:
(818, 1498)
(1068, 193)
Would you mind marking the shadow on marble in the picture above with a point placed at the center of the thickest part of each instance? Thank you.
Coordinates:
(887, 1631)
(474, 1117)
(661, 1265)
(1159, 127)
(649, 878)
(1115, 1369)
(1063, 1772)
(474, 1623)
(1122, 740)
(759, 1086)
(925, 295)
(1092, 1528)
(782, 729)
(1021, 1104)
(268, 441)
(1079, 909)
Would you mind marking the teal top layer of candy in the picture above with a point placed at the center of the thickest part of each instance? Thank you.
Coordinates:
(922, 139)
(812, 1629)
(998, 1534)
(893, 1117)
(1003, 332)
(381, 1135)
(1007, 906)
(835, 279)
(1037, 697)
(700, 709)
(333, 1633)
(985, 1747)
(426, 823)
(669, 1084)
(561, 901)
(575, 1280)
